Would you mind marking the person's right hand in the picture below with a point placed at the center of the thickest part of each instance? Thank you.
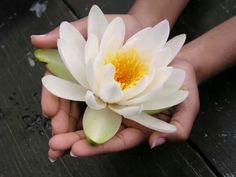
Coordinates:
(64, 113)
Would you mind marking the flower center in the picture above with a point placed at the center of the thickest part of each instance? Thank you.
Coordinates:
(129, 69)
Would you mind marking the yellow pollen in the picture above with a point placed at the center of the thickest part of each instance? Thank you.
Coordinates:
(129, 69)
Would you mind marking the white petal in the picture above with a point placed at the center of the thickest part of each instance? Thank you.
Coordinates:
(162, 57)
(161, 33)
(97, 22)
(176, 79)
(175, 44)
(142, 42)
(70, 34)
(113, 37)
(153, 123)
(139, 87)
(74, 61)
(165, 100)
(126, 111)
(156, 86)
(94, 102)
(148, 40)
(64, 89)
(91, 48)
(92, 75)
(110, 90)
(100, 125)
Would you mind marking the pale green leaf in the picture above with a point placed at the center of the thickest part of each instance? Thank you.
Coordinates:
(54, 63)
(100, 125)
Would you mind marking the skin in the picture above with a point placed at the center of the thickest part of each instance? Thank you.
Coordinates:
(65, 114)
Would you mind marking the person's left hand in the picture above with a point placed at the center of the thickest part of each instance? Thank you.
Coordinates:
(132, 134)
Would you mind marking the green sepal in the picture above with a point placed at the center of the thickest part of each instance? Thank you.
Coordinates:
(151, 112)
(54, 63)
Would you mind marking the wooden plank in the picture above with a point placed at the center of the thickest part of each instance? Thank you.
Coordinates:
(214, 132)
(24, 133)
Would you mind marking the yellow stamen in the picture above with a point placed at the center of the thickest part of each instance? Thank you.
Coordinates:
(129, 69)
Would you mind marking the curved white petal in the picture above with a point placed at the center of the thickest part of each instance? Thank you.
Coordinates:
(64, 89)
(153, 123)
(71, 35)
(165, 100)
(110, 90)
(100, 125)
(113, 37)
(91, 48)
(161, 33)
(175, 44)
(126, 111)
(140, 86)
(142, 42)
(153, 89)
(162, 57)
(74, 61)
(97, 22)
(94, 102)
(176, 79)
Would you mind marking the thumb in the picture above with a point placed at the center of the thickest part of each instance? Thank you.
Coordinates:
(49, 40)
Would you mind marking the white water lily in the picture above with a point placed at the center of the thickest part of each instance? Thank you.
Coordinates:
(118, 79)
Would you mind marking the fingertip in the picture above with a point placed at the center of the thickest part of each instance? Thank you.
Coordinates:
(48, 40)
(54, 155)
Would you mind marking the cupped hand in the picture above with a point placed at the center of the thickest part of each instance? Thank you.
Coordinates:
(64, 113)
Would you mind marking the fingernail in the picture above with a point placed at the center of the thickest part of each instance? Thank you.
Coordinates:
(158, 142)
(51, 160)
(44, 115)
(40, 35)
(72, 155)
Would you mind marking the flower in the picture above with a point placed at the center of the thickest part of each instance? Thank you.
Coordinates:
(114, 78)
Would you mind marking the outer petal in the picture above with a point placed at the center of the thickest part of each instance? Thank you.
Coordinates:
(153, 89)
(97, 22)
(70, 34)
(176, 79)
(153, 123)
(175, 44)
(126, 111)
(93, 101)
(100, 125)
(162, 57)
(110, 90)
(74, 61)
(113, 37)
(161, 33)
(165, 100)
(64, 89)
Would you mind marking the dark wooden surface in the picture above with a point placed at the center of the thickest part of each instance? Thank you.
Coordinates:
(24, 132)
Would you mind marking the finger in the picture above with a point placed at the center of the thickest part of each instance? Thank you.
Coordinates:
(123, 140)
(54, 155)
(49, 40)
(49, 103)
(64, 141)
(60, 122)
(74, 116)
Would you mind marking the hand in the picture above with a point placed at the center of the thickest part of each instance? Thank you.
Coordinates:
(132, 134)
(64, 113)
(183, 115)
